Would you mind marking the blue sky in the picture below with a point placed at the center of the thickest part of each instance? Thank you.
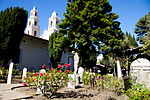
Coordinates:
(129, 11)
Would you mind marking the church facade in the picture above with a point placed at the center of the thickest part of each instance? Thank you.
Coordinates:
(34, 48)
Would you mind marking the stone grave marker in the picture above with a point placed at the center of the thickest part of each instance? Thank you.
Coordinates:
(24, 73)
(71, 83)
(80, 72)
(38, 90)
(119, 73)
(10, 73)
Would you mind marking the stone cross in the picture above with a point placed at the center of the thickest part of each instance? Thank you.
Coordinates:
(76, 61)
(24, 73)
(119, 72)
(10, 73)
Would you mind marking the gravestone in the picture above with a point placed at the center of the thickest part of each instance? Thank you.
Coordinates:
(80, 72)
(119, 73)
(10, 73)
(42, 71)
(71, 83)
(38, 90)
(140, 69)
(24, 73)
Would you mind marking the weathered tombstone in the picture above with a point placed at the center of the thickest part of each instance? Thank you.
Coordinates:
(43, 71)
(24, 73)
(38, 90)
(119, 73)
(80, 72)
(10, 73)
(71, 83)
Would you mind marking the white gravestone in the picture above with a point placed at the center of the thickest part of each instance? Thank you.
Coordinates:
(24, 73)
(38, 90)
(119, 70)
(71, 83)
(80, 72)
(10, 73)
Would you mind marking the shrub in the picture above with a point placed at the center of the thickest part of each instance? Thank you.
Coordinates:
(49, 82)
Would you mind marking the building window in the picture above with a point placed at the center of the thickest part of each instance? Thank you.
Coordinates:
(51, 23)
(35, 23)
(29, 23)
(35, 14)
(34, 33)
(28, 32)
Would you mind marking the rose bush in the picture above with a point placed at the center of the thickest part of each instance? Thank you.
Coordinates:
(49, 82)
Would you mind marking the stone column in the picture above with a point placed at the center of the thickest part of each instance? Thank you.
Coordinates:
(119, 72)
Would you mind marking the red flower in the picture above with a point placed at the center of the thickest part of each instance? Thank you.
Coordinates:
(34, 78)
(59, 71)
(63, 65)
(24, 84)
(41, 74)
(59, 66)
(43, 66)
(67, 71)
(17, 69)
(37, 80)
(68, 80)
(51, 68)
(47, 77)
(68, 65)
(36, 73)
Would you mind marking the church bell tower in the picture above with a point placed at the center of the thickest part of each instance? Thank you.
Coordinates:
(52, 27)
(33, 24)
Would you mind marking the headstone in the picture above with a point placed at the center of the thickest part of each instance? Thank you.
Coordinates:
(80, 72)
(76, 61)
(119, 73)
(71, 83)
(24, 73)
(10, 73)
(43, 71)
(38, 90)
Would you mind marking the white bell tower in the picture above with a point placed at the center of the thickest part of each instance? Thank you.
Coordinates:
(52, 27)
(33, 24)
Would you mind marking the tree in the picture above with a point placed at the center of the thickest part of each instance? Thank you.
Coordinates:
(142, 27)
(91, 28)
(12, 24)
(143, 31)
(57, 44)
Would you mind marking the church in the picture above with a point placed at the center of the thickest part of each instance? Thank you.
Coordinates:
(34, 48)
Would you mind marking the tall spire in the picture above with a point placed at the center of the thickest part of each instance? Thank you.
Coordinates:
(33, 24)
(52, 27)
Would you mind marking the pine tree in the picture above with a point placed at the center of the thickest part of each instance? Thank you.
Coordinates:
(12, 24)
(91, 28)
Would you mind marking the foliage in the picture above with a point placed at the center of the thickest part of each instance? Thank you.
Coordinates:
(49, 82)
(146, 47)
(12, 25)
(4, 72)
(91, 28)
(142, 27)
(103, 83)
(138, 92)
(57, 44)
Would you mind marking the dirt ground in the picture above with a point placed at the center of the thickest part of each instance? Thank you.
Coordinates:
(74, 94)
(81, 93)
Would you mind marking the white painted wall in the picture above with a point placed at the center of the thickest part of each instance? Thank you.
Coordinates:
(34, 53)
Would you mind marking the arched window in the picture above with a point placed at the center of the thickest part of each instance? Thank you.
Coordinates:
(51, 23)
(28, 32)
(35, 23)
(34, 33)
(35, 14)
